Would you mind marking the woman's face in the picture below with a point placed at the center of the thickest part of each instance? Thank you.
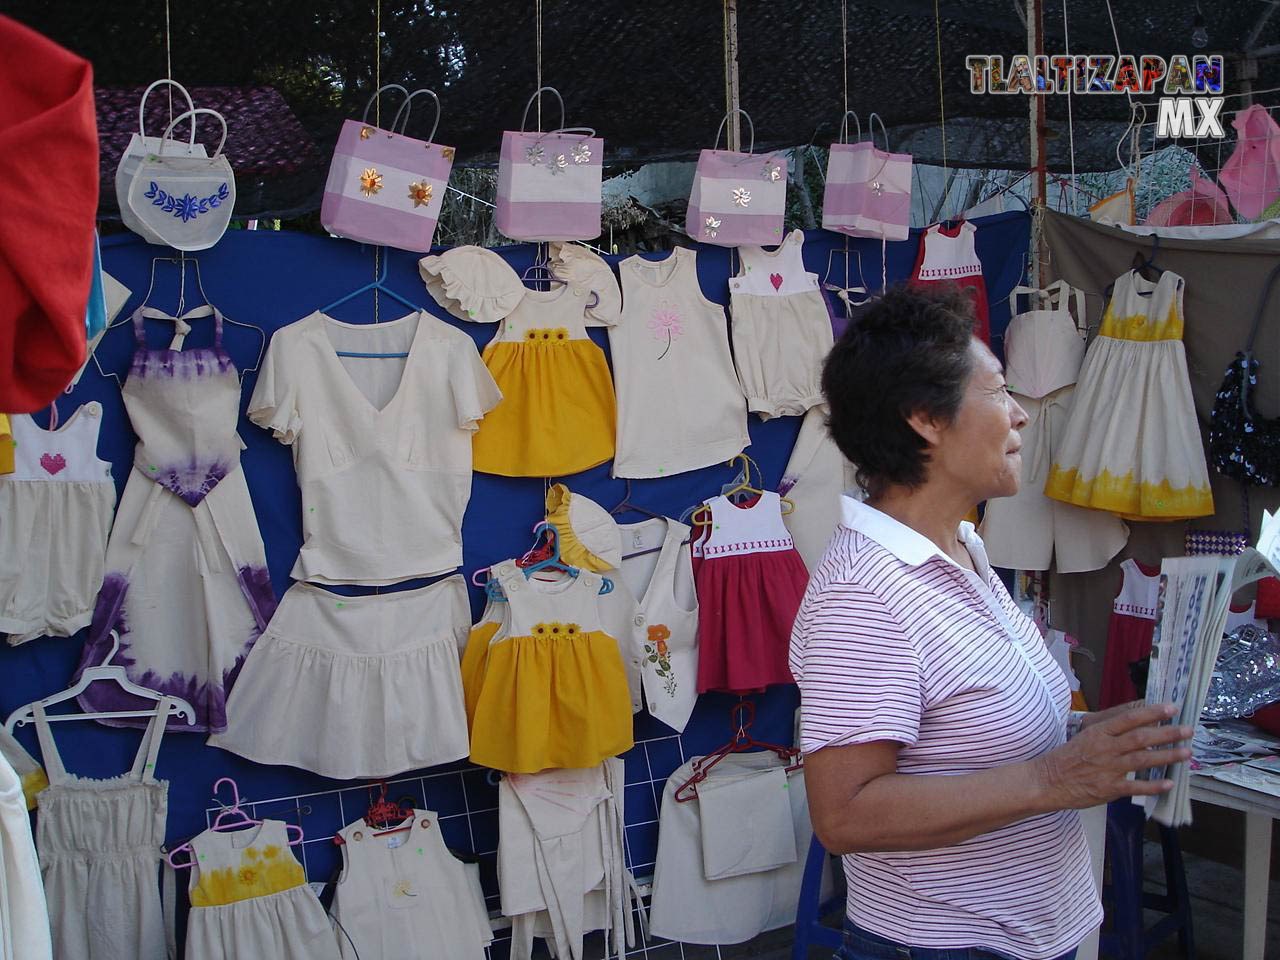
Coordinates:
(979, 450)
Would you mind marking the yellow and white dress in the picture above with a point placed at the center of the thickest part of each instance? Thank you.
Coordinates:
(558, 412)
(1132, 445)
(249, 898)
(545, 683)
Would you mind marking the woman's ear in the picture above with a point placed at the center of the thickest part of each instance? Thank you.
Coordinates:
(929, 428)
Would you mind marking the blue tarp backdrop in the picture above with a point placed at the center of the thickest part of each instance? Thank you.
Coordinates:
(269, 279)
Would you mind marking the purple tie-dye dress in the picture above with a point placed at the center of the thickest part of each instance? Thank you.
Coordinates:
(186, 586)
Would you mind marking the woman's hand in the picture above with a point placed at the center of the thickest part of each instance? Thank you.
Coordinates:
(1101, 716)
(1093, 767)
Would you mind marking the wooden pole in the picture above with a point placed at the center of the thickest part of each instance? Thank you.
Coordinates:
(731, 73)
(1037, 131)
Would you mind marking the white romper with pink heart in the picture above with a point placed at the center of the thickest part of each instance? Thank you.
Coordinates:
(781, 330)
(55, 513)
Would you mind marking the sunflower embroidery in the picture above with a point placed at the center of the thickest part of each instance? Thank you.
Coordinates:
(561, 333)
(248, 876)
(555, 628)
(571, 629)
(531, 334)
(539, 629)
(657, 653)
(270, 851)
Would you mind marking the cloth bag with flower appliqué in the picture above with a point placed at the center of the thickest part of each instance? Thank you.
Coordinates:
(549, 183)
(738, 198)
(868, 192)
(183, 201)
(385, 187)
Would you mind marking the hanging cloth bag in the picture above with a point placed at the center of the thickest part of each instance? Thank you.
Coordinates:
(140, 147)
(384, 187)
(868, 192)
(186, 202)
(1243, 445)
(738, 198)
(549, 183)
(1251, 175)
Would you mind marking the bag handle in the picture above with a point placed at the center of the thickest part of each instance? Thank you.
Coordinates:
(524, 119)
(191, 113)
(872, 133)
(406, 110)
(142, 105)
(719, 130)
(844, 126)
(377, 93)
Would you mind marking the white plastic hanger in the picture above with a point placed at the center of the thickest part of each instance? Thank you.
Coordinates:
(109, 671)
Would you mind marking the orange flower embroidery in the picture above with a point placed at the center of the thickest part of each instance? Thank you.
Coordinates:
(657, 653)
(658, 633)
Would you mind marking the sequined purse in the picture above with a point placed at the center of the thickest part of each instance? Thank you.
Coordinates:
(384, 187)
(1243, 445)
(738, 198)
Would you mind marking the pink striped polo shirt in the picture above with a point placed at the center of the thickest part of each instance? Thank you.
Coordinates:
(896, 641)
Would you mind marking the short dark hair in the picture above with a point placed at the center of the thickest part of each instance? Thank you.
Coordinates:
(907, 353)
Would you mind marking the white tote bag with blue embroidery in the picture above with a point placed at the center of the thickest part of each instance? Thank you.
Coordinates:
(141, 145)
(185, 202)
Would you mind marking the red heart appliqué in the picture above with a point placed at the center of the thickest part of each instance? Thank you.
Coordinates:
(53, 462)
(776, 280)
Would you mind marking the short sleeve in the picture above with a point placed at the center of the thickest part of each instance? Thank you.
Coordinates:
(859, 674)
(474, 391)
(274, 405)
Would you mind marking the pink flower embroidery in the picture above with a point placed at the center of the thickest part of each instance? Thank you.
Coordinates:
(666, 325)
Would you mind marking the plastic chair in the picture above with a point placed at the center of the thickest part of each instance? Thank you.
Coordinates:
(1129, 938)
(810, 930)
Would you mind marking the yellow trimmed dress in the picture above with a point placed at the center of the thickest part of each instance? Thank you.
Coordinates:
(545, 685)
(1132, 445)
(558, 412)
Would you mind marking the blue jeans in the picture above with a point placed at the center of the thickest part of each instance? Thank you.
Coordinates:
(862, 944)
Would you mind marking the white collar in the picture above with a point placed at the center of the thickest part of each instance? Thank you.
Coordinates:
(910, 546)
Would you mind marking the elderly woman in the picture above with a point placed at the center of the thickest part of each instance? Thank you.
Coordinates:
(934, 722)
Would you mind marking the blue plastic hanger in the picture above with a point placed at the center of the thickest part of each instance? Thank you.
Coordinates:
(378, 286)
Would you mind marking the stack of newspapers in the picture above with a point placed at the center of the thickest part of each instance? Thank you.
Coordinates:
(1191, 614)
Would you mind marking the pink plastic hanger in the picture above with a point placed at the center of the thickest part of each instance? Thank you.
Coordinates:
(231, 818)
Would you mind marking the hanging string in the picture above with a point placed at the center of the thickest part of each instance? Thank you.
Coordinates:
(844, 59)
(537, 33)
(942, 104)
(168, 60)
(377, 122)
(1071, 130)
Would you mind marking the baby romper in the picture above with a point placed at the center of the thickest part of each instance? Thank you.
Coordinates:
(57, 505)
(99, 843)
(1029, 531)
(250, 898)
(187, 587)
(781, 329)
(680, 406)
(403, 896)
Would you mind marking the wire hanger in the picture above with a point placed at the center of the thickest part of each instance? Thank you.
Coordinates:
(626, 505)
(701, 517)
(108, 671)
(377, 287)
(541, 264)
(231, 818)
(742, 716)
(180, 312)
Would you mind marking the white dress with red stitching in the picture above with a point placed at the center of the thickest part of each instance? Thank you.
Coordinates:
(750, 580)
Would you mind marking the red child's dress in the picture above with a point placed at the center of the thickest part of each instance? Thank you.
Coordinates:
(750, 581)
(949, 256)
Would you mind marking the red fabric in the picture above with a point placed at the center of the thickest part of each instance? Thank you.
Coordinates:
(49, 197)
(746, 606)
(975, 286)
(1128, 639)
(1268, 603)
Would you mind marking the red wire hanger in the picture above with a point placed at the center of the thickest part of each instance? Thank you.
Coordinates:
(742, 716)
(384, 816)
